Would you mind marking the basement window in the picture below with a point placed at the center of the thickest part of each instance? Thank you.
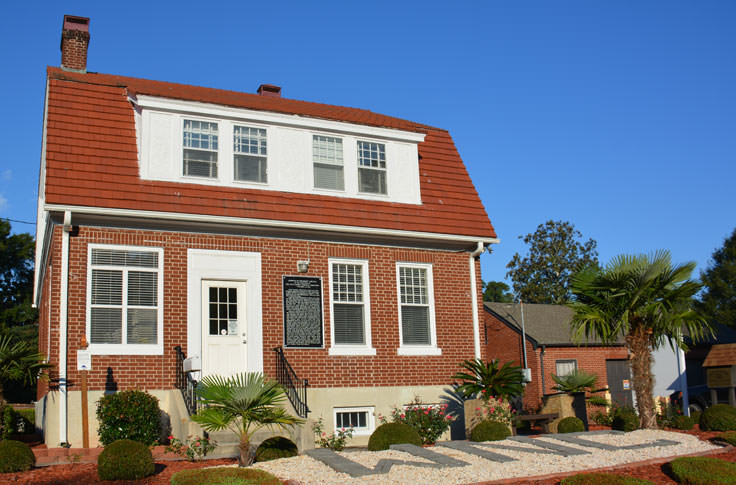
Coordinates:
(361, 419)
(124, 300)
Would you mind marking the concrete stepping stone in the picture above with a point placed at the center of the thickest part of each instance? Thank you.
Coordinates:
(558, 449)
(466, 447)
(342, 464)
(428, 454)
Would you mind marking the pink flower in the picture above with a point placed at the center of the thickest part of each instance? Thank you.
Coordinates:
(426, 411)
(477, 409)
(171, 436)
(403, 415)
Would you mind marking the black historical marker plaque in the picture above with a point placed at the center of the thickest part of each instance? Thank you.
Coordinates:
(303, 312)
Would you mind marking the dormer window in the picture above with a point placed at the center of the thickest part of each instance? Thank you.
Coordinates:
(371, 167)
(328, 162)
(200, 149)
(250, 150)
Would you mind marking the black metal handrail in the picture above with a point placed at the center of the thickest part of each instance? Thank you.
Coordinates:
(185, 383)
(295, 388)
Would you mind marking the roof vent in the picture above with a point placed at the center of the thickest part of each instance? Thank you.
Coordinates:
(269, 90)
(74, 43)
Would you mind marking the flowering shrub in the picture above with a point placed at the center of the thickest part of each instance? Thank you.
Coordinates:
(667, 411)
(495, 409)
(334, 441)
(193, 449)
(430, 421)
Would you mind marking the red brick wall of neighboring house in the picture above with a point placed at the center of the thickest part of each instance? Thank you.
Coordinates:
(279, 257)
(504, 344)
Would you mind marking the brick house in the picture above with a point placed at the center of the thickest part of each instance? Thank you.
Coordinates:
(550, 349)
(188, 228)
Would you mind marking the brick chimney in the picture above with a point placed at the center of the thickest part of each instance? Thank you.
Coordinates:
(269, 90)
(74, 43)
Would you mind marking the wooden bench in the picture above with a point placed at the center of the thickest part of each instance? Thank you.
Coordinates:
(542, 420)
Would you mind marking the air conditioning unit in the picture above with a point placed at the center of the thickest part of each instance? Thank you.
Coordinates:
(192, 364)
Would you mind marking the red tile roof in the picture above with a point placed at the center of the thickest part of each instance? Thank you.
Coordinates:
(91, 160)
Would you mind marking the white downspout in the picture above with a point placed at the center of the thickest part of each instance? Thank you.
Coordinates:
(63, 311)
(474, 298)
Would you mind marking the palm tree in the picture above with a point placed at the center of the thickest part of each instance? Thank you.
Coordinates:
(504, 381)
(19, 361)
(575, 381)
(243, 403)
(647, 302)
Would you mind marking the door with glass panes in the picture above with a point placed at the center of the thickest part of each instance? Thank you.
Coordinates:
(224, 336)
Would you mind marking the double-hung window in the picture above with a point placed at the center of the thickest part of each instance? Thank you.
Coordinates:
(350, 307)
(371, 167)
(566, 367)
(250, 149)
(200, 148)
(328, 162)
(416, 309)
(124, 300)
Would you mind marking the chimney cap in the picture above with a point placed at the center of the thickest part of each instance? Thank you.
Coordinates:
(74, 22)
(269, 90)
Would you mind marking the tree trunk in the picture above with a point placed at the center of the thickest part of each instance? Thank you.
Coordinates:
(641, 368)
(246, 457)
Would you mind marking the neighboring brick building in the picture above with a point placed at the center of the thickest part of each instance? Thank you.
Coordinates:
(232, 224)
(550, 349)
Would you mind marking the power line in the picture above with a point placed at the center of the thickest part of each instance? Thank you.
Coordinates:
(16, 220)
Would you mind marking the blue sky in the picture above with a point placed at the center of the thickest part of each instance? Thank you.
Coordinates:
(619, 116)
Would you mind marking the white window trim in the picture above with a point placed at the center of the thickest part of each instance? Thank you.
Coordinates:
(367, 348)
(253, 183)
(358, 166)
(431, 349)
(180, 139)
(566, 361)
(343, 165)
(370, 421)
(126, 349)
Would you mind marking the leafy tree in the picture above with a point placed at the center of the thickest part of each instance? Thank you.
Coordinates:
(646, 301)
(19, 361)
(556, 252)
(718, 299)
(16, 277)
(504, 381)
(497, 291)
(243, 403)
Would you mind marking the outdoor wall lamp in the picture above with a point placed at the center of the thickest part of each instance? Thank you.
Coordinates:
(302, 266)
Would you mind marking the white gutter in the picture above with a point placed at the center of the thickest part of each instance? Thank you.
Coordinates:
(246, 221)
(474, 298)
(63, 311)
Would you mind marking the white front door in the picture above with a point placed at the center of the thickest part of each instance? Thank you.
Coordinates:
(224, 337)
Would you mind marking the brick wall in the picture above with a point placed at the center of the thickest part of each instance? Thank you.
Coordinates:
(279, 257)
(504, 344)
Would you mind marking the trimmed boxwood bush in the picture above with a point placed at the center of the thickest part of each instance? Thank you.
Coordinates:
(729, 437)
(131, 415)
(125, 460)
(701, 470)
(490, 431)
(275, 448)
(682, 422)
(570, 425)
(695, 416)
(719, 417)
(393, 434)
(15, 456)
(603, 479)
(224, 476)
(625, 419)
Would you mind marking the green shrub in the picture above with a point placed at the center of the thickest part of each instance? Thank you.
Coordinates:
(682, 422)
(15, 456)
(125, 460)
(603, 479)
(729, 437)
(275, 448)
(224, 476)
(393, 434)
(719, 417)
(570, 425)
(701, 470)
(131, 415)
(695, 416)
(7, 421)
(489, 431)
(429, 421)
(625, 419)
(26, 422)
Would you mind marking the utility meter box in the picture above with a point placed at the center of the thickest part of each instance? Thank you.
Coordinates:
(192, 364)
(527, 375)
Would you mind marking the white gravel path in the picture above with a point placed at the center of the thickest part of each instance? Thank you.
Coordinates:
(309, 471)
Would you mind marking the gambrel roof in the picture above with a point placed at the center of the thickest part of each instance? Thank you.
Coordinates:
(92, 161)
